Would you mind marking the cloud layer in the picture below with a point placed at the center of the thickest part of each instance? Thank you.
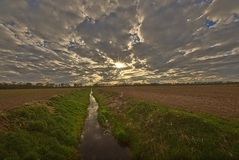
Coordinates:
(81, 40)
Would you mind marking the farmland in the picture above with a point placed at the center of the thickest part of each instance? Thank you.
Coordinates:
(155, 124)
(17, 97)
(220, 100)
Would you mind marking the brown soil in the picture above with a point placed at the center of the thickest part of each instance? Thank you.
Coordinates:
(222, 100)
(15, 98)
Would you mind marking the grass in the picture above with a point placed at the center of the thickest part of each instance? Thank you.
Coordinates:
(44, 131)
(154, 131)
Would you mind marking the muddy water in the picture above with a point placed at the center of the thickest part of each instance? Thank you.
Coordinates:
(96, 144)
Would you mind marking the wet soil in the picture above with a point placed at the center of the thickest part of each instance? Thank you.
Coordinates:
(98, 143)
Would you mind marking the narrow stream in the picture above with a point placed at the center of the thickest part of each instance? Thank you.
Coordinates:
(95, 144)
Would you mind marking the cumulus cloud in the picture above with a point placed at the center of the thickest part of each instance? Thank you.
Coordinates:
(157, 40)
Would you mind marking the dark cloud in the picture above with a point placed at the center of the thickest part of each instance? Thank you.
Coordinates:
(80, 41)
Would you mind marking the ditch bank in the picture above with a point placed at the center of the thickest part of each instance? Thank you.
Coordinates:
(97, 143)
(44, 129)
(155, 131)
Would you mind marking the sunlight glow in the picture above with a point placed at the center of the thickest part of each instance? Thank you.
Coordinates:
(119, 65)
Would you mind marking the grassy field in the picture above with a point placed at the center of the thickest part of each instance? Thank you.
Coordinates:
(44, 129)
(155, 131)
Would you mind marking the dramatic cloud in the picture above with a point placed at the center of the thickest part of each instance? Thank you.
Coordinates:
(83, 40)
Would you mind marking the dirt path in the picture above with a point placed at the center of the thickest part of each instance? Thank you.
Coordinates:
(98, 144)
(215, 99)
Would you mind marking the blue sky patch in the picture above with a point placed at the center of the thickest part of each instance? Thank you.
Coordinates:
(210, 23)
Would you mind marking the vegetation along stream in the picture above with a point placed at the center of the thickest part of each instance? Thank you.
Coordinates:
(97, 143)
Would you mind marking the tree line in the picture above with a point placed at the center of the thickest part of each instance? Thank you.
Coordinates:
(20, 85)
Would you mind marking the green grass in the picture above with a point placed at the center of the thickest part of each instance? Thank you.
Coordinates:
(44, 131)
(154, 131)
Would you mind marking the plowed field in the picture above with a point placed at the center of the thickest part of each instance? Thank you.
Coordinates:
(15, 98)
(221, 100)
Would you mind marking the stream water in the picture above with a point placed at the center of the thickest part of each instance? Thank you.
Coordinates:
(96, 145)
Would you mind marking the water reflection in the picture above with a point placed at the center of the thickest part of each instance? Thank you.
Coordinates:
(95, 144)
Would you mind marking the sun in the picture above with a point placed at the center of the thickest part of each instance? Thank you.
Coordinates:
(119, 65)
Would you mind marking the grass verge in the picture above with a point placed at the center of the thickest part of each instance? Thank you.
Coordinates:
(44, 130)
(154, 132)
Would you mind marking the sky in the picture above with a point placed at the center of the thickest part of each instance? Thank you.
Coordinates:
(119, 41)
